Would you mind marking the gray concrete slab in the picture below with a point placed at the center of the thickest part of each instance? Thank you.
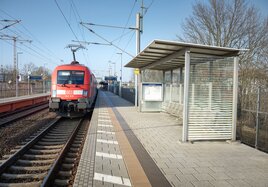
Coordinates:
(206, 163)
(101, 163)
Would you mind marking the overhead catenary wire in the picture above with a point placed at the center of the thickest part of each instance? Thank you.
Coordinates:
(30, 35)
(122, 50)
(123, 32)
(66, 20)
(79, 19)
(26, 51)
(110, 26)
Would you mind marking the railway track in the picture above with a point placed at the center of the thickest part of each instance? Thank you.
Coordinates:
(49, 159)
(21, 113)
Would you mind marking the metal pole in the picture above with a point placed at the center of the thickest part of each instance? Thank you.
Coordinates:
(120, 86)
(15, 66)
(29, 74)
(235, 96)
(137, 52)
(17, 74)
(257, 118)
(28, 84)
(186, 98)
(44, 79)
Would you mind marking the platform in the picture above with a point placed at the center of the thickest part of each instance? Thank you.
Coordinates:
(13, 103)
(128, 148)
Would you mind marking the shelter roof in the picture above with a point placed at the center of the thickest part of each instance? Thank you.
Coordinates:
(164, 55)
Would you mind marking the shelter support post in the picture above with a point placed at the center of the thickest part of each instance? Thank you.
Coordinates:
(186, 98)
(235, 95)
(139, 90)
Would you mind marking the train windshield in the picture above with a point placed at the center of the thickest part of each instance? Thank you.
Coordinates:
(70, 77)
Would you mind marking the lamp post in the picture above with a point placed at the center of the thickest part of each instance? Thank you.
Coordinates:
(121, 78)
(17, 74)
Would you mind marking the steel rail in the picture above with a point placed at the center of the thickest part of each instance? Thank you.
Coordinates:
(55, 167)
(21, 113)
(26, 147)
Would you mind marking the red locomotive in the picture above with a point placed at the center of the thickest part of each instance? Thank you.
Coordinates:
(73, 90)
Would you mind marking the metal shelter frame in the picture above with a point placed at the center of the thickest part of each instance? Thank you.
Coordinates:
(169, 55)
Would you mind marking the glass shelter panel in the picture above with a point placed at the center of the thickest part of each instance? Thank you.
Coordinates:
(152, 76)
(210, 99)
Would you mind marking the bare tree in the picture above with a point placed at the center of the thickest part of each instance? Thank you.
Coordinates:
(234, 24)
(224, 23)
(34, 70)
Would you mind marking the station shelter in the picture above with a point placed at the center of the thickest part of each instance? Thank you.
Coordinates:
(197, 83)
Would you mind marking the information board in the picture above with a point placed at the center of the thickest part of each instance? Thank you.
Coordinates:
(152, 91)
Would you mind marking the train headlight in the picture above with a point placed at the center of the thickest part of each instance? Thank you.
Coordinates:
(54, 93)
(85, 92)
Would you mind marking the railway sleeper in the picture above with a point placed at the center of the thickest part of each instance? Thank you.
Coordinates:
(25, 184)
(8, 176)
(2, 161)
(61, 182)
(59, 139)
(50, 143)
(62, 129)
(79, 136)
(69, 160)
(72, 155)
(27, 140)
(73, 149)
(40, 157)
(35, 162)
(12, 151)
(56, 136)
(37, 169)
(18, 146)
(23, 143)
(59, 133)
(65, 173)
(77, 142)
(76, 145)
(65, 166)
(47, 146)
(6, 156)
(44, 151)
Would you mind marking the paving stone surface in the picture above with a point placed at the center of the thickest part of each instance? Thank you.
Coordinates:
(101, 162)
(204, 163)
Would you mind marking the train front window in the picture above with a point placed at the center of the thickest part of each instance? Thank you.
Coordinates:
(70, 77)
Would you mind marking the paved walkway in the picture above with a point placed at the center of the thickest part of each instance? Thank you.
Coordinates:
(183, 164)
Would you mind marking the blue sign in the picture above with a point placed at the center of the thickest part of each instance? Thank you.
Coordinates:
(36, 77)
(110, 78)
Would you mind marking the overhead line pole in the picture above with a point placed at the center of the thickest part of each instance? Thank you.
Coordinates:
(137, 52)
(138, 86)
(15, 39)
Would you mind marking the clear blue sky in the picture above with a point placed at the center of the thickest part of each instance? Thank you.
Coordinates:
(43, 23)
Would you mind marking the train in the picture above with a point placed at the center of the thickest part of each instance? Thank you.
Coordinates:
(73, 90)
